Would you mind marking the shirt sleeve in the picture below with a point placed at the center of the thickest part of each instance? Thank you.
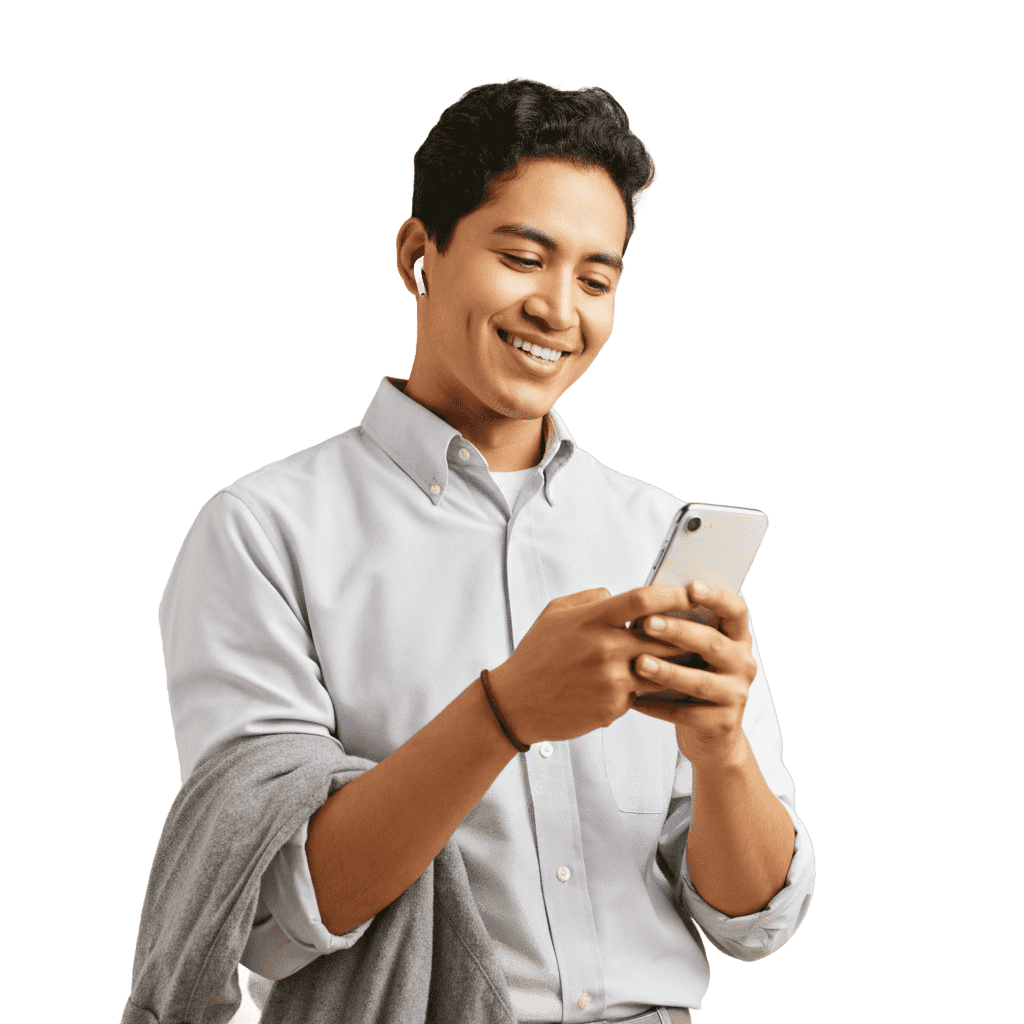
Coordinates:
(240, 661)
(287, 932)
(751, 936)
(756, 935)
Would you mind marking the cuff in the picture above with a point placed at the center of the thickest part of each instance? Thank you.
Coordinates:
(756, 935)
(293, 934)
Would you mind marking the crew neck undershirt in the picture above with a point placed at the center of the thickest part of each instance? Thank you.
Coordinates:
(511, 484)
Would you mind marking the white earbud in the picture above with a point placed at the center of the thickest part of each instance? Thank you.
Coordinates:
(417, 272)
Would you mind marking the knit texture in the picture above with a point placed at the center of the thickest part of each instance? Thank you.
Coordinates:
(425, 958)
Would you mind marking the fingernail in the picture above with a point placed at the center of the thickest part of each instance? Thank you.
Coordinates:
(648, 665)
(700, 588)
(656, 623)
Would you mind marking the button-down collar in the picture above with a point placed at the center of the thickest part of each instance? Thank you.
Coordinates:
(425, 447)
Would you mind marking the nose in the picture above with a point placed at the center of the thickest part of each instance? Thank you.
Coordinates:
(551, 304)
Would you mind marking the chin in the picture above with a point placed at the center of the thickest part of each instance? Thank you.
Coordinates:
(520, 407)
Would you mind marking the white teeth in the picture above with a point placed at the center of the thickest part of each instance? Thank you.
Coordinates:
(550, 354)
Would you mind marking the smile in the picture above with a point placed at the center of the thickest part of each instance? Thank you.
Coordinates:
(538, 352)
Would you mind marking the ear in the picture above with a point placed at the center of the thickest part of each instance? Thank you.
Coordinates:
(412, 243)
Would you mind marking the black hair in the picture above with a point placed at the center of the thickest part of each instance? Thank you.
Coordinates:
(479, 141)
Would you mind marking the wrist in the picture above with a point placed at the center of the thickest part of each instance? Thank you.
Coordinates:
(725, 755)
(496, 708)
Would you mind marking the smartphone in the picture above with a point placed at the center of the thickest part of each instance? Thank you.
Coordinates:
(714, 543)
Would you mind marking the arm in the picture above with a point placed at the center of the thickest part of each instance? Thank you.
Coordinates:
(400, 813)
(569, 675)
(741, 837)
(241, 661)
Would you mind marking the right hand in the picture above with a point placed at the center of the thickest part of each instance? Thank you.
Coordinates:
(573, 671)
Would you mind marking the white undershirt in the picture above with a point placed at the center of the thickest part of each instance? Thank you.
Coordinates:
(511, 484)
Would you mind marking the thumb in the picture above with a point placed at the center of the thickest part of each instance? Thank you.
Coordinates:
(582, 598)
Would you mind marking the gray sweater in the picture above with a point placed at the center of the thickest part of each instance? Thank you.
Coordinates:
(425, 958)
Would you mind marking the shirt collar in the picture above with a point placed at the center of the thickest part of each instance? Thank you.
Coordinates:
(424, 446)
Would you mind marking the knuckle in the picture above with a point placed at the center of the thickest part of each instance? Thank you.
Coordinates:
(718, 644)
(645, 601)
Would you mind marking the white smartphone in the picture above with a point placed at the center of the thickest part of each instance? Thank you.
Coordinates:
(713, 543)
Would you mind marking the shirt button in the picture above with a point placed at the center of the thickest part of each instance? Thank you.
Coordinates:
(563, 874)
(435, 489)
(546, 750)
(584, 1000)
(464, 454)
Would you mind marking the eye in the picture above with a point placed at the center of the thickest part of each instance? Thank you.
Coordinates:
(519, 261)
(598, 286)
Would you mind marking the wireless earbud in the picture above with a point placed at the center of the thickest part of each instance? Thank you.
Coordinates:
(417, 272)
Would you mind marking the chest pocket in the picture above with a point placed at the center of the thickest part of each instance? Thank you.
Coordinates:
(640, 761)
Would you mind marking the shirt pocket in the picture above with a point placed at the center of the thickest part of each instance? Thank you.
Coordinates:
(640, 756)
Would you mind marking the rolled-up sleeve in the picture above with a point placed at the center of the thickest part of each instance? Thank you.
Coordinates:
(240, 661)
(751, 936)
(756, 935)
(287, 932)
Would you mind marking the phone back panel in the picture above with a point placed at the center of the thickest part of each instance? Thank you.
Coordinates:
(720, 552)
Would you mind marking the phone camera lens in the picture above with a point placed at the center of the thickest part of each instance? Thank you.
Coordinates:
(693, 524)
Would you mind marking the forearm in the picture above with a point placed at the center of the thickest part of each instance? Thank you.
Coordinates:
(376, 835)
(741, 837)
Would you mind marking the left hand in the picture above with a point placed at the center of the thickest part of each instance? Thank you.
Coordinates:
(712, 732)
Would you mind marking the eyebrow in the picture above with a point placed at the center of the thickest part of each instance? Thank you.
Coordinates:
(609, 259)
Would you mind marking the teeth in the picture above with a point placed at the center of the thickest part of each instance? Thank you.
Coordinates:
(550, 354)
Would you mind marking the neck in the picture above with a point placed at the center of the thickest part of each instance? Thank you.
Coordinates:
(507, 444)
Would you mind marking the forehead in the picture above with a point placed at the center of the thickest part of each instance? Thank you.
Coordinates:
(576, 206)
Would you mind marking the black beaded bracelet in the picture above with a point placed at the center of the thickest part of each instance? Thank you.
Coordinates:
(521, 747)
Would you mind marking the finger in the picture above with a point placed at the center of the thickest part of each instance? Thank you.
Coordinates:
(704, 686)
(581, 598)
(640, 685)
(641, 601)
(671, 711)
(719, 650)
(729, 607)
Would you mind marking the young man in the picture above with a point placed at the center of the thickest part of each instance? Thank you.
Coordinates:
(361, 589)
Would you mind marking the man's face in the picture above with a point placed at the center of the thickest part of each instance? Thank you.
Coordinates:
(539, 264)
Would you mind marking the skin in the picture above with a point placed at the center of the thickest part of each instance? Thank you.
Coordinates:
(578, 668)
(489, 280)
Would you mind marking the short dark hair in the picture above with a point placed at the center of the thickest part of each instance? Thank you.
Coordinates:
(480, 140)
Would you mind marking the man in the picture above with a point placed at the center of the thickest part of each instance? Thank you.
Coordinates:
(362, 589)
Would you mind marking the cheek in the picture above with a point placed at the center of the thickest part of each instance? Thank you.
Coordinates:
(488, 289)
(596, 323)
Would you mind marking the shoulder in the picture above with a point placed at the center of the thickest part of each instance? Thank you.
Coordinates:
(315, 477)
(636, 498)
(290, 494)
(299, 471)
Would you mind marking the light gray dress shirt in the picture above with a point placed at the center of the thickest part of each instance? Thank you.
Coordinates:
(355, 589)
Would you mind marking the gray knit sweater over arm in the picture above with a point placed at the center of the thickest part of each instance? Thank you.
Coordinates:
(425, 958)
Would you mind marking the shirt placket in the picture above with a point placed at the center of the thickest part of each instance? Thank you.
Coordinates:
(553, 795)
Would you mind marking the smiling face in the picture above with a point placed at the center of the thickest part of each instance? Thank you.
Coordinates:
(522, 300)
